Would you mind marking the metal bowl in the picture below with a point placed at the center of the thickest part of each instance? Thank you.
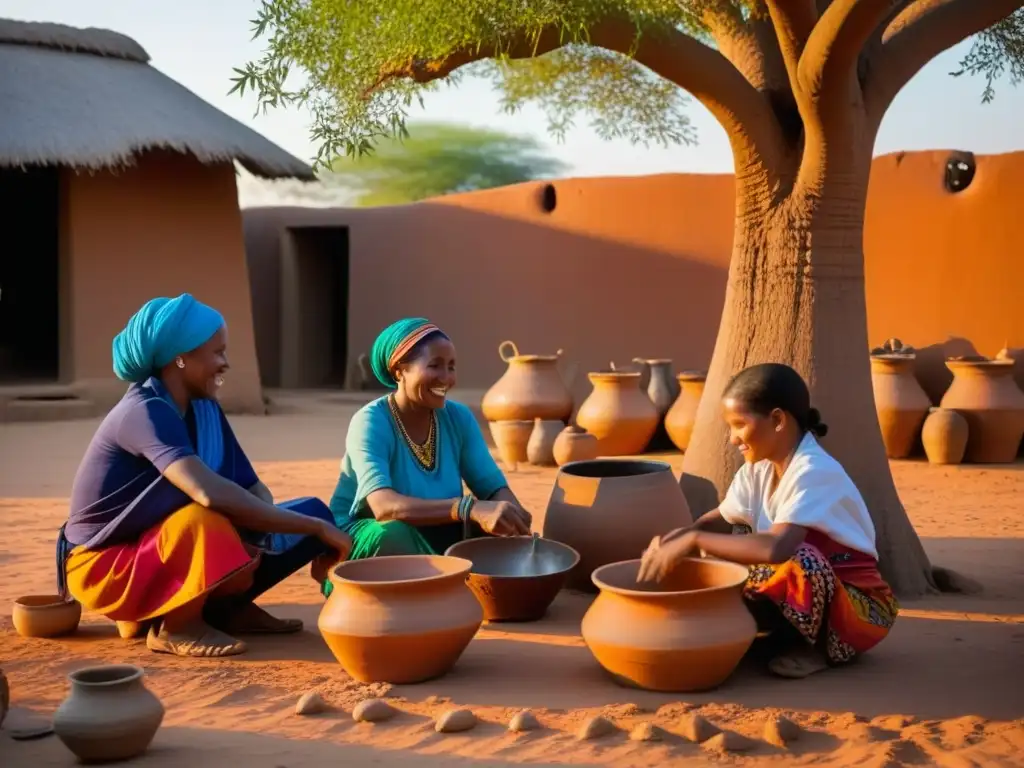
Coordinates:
(512, 581)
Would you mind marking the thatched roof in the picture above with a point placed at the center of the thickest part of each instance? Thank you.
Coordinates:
(88, 98)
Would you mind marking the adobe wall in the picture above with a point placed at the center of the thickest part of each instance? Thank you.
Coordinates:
(165, 226)
(637, 266)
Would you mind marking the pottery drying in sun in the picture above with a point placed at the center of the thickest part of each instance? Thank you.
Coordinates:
(532, 387)
(511, 438)
(944, 436)
(985, 394)
(540, 450)
(681, 416)
(618, 413)
(574, 444)
(900, 402)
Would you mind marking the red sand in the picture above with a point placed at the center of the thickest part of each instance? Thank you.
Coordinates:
(944, 689)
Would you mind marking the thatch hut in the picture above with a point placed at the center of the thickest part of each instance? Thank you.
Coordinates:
(117, 184)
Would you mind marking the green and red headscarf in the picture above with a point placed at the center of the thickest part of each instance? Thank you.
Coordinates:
(394, 343)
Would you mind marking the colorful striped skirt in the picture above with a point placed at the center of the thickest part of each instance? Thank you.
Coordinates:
(185, 557)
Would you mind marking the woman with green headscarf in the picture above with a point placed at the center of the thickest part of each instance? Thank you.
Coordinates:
(408, 453)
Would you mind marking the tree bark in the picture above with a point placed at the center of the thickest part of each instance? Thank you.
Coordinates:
(795, 295)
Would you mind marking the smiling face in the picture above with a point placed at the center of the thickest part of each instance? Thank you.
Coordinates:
(757, 437)
(205, 367)
(429, 373)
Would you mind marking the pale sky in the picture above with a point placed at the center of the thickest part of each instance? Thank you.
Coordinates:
(197, 42)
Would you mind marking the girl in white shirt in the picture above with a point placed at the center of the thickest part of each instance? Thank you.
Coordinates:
(811, 549)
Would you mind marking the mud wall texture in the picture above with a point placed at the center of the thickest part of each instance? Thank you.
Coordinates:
(612, 268)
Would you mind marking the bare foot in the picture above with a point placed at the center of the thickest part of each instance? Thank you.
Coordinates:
(253, 620)
(196, 640)
(798, 663)
(130, 630)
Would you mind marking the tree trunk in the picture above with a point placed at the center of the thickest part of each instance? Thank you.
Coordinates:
(796, 295)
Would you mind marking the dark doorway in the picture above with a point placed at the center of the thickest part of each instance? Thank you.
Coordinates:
(314, 307)
(29, 290)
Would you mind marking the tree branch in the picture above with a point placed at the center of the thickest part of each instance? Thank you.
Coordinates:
(794, 21)
(744, 43)
(697, 68)
(921, 32)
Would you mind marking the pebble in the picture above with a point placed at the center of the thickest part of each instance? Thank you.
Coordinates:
(310, 703)
(595, 728)
(373, 711)
(780, 731)
(728, 741)
(455, 720)
(697, 729)
(646, 732)
(523, 721)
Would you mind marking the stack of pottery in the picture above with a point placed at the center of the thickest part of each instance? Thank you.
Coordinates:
(608, 510)
(618, 413)
(531, 395)
(900, 402)
(984, 393)
(681, 416)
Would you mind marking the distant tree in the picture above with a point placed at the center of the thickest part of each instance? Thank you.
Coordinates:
(438, 159)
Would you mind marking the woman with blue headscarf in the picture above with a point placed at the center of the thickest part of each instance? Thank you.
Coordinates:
(408, 453)
(170, 530)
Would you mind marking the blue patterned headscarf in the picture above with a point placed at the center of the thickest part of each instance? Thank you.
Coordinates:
(160, 331)
(394, 343)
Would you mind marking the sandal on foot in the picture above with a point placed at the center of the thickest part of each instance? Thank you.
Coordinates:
(200, 641)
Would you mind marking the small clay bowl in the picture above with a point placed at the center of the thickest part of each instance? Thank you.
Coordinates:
(510, 583)
(45, 616)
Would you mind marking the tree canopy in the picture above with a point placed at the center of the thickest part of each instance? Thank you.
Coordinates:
(437, 159)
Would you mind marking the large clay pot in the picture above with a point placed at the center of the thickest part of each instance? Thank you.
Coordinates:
(681, 416)
(109, 714)
(618, 413)
(402, 619)
(900, 402)
(574, 444)
(944, 436)
(511, 439)
(541, 446)
(985, 394)
(531, 388)
(609, 510)
(687, 633)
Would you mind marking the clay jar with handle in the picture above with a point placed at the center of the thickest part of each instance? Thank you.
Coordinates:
(618, 413)
(531, 388)
(681, 416)
(574, 444)
(109, 714)
(609, 510)
(541, 446)
(944, 436)
(402, 619)
(687, 633)
(900, 402)
(985, 394)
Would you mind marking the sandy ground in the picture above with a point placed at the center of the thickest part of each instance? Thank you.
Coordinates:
(944, 689)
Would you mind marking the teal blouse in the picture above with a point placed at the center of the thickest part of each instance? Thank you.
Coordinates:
(377, 456)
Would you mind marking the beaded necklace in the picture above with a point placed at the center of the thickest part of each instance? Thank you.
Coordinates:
(425, 454)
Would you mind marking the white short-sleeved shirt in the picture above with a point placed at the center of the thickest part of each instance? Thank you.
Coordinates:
(814, 492)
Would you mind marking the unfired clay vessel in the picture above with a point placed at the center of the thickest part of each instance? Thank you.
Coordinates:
(402, 619)
(511, 439)
(45, 616)
(109, 714)
(944, 436)
(687, 633)
(985, 394)
(618, 413)
(681, 416)
(531, 388)
(574, 444)
(541, 446)
(609, 510)
(900, 402)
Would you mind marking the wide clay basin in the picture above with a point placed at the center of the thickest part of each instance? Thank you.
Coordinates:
(512, 580)
(402, 619)
(685, 634)
(45, 616)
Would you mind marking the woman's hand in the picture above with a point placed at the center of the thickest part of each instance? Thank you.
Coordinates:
(665, 553)
(501, 518)
(336, 539)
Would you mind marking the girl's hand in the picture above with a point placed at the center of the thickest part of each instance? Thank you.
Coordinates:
(665, 553)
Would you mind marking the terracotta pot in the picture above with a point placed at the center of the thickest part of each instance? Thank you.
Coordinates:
(511, 439)
(574, 444)
(609, 510)
(685, 634)
(5, 697)
(45, 616)
(401, 619)
(618, 414)
(662, 389)
(541, 446)
(109, 714)
(944, 436)
(900, 402)
(531, 388)
(984, 393)
(681, 416)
